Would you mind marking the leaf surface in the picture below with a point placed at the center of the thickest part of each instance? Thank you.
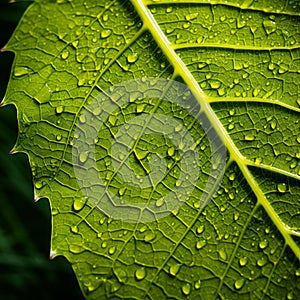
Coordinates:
(241, 60)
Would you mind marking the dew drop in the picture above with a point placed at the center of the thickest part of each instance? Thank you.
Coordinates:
(230, 126)
(150, 236)
(281, 187)
(200, 244)
(232, 177)
(191, 16)
(200, 229)
(263, 244)
(75, 249)
(83, 157)
(297, 273)
(169, 9)
(140, 108)
(105, 33)
(21, 71)
(59, 109)
(290, 296)
(140, 274)
(74, 229)
(174, 269)
(223, 254)
(132, 58)
(65, 55)
(243, 261)
(215, 84)
(38, 184)
(58, 137)
(186, 289)
(79, 203)
(249, 137)
(269, 26)
(298, 139)
(261, 262)
(122, 191)
(197, 284)
(112, 250)
(239, 283)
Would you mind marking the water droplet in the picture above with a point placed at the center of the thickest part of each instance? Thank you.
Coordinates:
(55, 211)
(132, 58)
(261, 262)
(290, 296)
(223, 254)
(65, 54)
(200, 244)
(74, 229)
(140, 108)
(105, 33)
(263, 244)
(249, 137)
(222, 18)
(239, 283)
(215, 84)
(200, 229)
(140, 273)
(269, 26)
(243, 261)
(21, 71)
(38, 184)
(83, 157)
(232, 177)
(59, 109)
(174, 269)
(79, 203)
(122, 191)
(230, 126)
(58, 137)
(75, 249)
(298, 139)
(191, 16)
(81, 81)
(112, 250)
(186, 289)
(159, 202)
(197, 284)
(169, 9)
(297, 273)
(273, 124)
(171, 151)
(150, 236)
(281, 187)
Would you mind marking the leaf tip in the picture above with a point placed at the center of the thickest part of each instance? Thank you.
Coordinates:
(13, 151)
(3, 49)
(52, 254)
(36, 198)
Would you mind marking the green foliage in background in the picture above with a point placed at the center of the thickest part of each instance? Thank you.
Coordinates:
(242, 61)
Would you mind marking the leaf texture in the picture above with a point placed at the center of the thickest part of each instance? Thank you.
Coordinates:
(241, 60)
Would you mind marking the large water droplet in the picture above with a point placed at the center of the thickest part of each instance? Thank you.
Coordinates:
(200, 244)
(263, 244)
(65, 54)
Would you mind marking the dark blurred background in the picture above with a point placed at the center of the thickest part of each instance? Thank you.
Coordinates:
(26, 271)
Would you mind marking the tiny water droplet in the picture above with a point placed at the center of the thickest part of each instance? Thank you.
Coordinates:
(281, 187)
(140, 108)
(140, 273)
(65, 54)
(223, 254)
(200, 229)
(122, 191)
(239, 283)
(83, 157)
(38, 184)
(74, 229)
(105, 33)
(169, 9)
(79, 203)
(263, 244)
(249, 137)
(230, 126)
(232, 177)
(150, 236)
(59, 109)
(21, 71)
(269, 26)
(243, 261)
(197, 284)
(132, 58)
(58, 137)
(297, 273)
(159, 202)
(290, 296)
(215, 84)
(200, 244)
(174, 269)
(112, 250)
(186, 289)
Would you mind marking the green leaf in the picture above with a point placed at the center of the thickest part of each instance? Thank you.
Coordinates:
(237, 65)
